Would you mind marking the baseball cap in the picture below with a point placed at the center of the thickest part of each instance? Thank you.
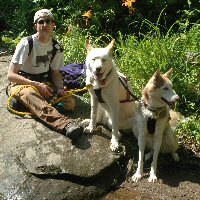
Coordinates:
(42, 13)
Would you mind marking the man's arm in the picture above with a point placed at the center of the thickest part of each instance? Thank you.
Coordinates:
(14, 77)
(57, 81)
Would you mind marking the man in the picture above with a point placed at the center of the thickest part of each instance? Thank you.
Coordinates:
(32, 68)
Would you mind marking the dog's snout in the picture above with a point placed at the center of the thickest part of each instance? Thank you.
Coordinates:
(98, 69)
(177, 98)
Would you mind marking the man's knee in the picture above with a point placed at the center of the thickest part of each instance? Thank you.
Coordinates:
(22, 90)
(69, 103)
(27, 92)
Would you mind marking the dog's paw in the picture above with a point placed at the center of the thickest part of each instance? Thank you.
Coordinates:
(114, 144)
(115, 141)
(152, 178)
(88, 129)
(85, 122)
(175, 157)
(137, 177)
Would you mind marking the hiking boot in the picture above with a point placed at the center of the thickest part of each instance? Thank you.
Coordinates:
(73, 130)
(17, 105)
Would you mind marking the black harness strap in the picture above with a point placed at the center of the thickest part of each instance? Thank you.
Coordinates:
(151, 125)
(129, 92)
(54, 51)
(98, 94)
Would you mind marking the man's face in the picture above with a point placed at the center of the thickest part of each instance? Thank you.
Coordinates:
(44, 25)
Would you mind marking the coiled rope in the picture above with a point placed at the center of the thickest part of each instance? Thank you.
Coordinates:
(56, 98)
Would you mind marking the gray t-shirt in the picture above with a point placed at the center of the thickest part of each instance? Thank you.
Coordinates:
(39, 59)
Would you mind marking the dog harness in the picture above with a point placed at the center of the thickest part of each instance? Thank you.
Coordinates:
(151, 121)
(128, 99)
(151, 125)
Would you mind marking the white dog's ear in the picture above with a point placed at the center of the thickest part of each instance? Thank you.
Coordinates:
(111, 46)
(169, 73)
(89, 45)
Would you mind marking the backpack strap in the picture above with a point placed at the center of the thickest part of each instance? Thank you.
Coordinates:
(54, 49)
(30, 42)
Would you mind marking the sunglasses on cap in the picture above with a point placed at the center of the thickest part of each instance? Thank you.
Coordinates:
(47, 21)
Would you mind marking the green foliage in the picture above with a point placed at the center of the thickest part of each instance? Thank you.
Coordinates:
(190, 127)
(17, 16)
(140, 57)
(11, 40)
(108, 17)
(74, 45)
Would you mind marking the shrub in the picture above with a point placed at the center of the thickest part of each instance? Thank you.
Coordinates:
(139, 58)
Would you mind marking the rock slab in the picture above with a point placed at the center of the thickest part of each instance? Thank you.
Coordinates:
(38, 163)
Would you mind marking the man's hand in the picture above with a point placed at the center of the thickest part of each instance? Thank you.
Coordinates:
(45, 90)
(61, 91)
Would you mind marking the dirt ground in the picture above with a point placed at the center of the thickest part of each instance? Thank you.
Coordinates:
(179, 180)
(176, 180)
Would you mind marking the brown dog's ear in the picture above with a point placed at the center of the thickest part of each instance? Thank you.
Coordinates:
(89, 45)
(157, 79)
(169, 73)
(156, 75)
(145, 96)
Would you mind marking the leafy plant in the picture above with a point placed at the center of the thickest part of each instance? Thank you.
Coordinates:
(11, 40)
(190, 127)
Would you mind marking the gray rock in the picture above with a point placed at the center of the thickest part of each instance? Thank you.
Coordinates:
(38, 163)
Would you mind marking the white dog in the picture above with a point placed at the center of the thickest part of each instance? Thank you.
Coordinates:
(111, 103)
(152, 123)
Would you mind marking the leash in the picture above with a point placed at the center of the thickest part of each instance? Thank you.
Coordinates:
(56, 98)
(13, 94)
(129, 92)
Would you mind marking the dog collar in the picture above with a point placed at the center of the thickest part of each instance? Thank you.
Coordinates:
(158, 112)
(103, 81)
(150, 109)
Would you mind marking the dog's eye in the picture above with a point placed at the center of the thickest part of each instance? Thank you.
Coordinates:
(165, 88)
(103, 60)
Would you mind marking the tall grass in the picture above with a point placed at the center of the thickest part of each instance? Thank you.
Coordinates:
(73, 42)
(139, 58)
